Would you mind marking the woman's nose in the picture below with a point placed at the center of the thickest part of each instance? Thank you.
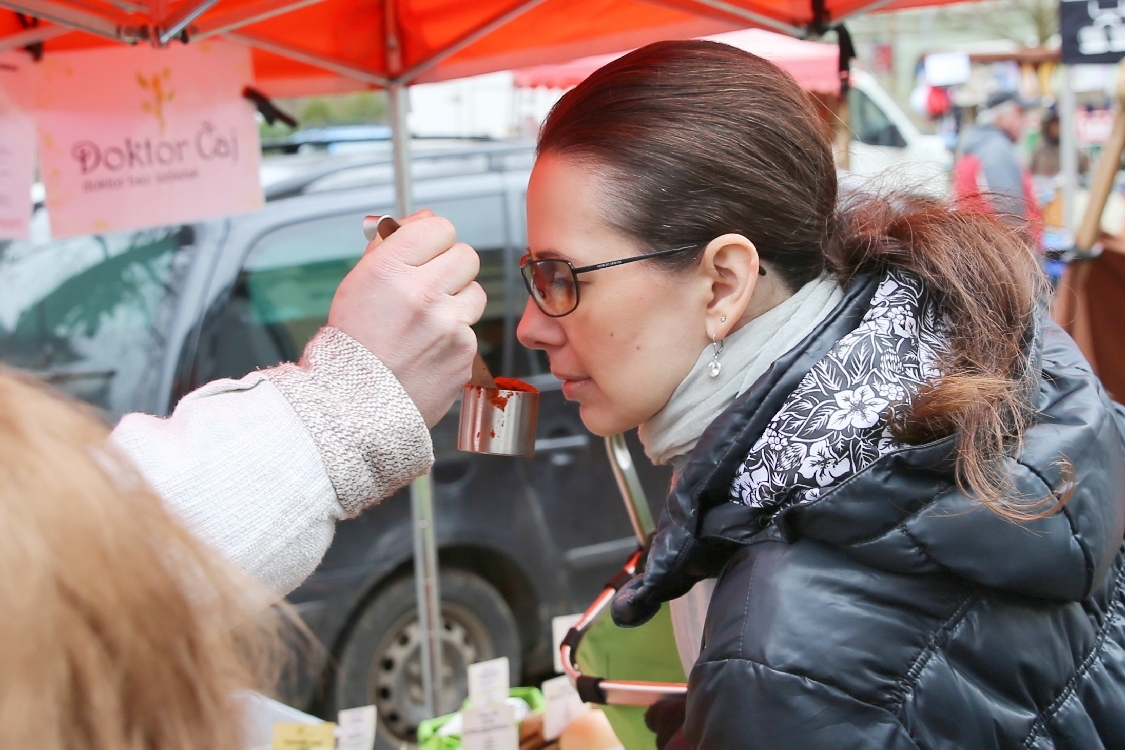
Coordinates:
(539, 331)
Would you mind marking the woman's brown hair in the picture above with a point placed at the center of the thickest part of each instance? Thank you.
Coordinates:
(698, 139)
(120, 631)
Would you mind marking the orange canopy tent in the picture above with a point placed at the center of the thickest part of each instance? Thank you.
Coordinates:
(814, 65)
(318, 46)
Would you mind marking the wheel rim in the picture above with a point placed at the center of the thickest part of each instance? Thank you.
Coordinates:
(395, 681)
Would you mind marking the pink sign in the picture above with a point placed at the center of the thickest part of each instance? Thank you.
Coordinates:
(17, 169)
(132, 137)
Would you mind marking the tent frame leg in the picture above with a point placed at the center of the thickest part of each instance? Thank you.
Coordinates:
(421, 491)
(1068, 150)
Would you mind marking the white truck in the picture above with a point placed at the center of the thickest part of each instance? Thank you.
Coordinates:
(887, 147)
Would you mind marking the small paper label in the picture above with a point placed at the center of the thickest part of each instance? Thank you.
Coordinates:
(560, 626)
(488, 682)
(289, 736)
(357, 728)
(563, 706)
(490, 727)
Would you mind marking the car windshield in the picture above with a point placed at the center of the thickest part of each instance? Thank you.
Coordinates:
(91, 314)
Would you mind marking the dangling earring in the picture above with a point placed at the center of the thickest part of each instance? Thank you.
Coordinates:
(714, 367)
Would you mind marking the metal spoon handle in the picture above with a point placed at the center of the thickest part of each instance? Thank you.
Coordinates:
(482, 377)
(379, 226)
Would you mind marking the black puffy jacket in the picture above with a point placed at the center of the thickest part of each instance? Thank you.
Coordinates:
(892, 611)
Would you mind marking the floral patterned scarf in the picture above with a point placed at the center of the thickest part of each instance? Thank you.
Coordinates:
(834, 424)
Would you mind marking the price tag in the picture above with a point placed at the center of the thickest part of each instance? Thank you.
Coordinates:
(291, 736)
(357, 728)
(560, 626)
(488, 682)
(563, 706)
(489, 728)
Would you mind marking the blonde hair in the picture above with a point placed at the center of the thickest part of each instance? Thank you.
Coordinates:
(119, 630)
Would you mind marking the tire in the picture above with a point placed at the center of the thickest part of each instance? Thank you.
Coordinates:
(380, 662)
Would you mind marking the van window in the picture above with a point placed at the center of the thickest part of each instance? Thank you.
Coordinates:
(870, 123)
(283, 293)
(92, 314)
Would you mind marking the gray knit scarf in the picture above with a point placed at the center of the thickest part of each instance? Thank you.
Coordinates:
(670, 435)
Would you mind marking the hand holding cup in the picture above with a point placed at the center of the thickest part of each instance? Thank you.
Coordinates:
(412, 304)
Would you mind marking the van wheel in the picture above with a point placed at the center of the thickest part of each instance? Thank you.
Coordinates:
(381, 661)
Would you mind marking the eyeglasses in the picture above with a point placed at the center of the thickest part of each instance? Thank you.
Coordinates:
(553, 283)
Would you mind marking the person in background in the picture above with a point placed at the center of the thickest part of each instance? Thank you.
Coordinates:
(988, 174)
(120, 630)
(1045, 169)
(262, 468)
(1045, 159)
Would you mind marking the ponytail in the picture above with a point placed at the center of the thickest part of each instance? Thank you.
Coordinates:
(986, 283)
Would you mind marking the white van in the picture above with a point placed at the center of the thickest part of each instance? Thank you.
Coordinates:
(884, 142)
(888, 147)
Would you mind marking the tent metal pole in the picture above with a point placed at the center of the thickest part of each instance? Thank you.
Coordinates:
(40, 33)
(78, 19)
(184, 14)
(758, 19)
(427, 593)
(421, 491)
(871, 8)
(1068, 150)
(398, 96)
(245, 16)
(504, 18)
(725, 15)
(345, 69)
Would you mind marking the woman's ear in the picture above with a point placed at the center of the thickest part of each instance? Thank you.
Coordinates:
(731, 264)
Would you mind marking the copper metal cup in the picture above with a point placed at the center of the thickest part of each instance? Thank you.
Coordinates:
(499, 421)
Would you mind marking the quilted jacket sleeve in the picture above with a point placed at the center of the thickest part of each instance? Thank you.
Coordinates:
(736, 703)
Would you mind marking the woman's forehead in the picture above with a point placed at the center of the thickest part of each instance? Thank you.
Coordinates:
(565, 214)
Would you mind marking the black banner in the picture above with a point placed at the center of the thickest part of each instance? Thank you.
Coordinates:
(1093, 31)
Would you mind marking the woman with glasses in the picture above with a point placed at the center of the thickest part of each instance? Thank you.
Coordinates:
(899, 495)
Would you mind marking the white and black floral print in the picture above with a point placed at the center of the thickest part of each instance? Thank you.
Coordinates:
(835, 423)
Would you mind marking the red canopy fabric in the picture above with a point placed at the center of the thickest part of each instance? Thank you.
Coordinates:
(319, 46)
(815, 65)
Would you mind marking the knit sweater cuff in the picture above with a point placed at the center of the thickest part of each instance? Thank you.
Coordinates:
(370, 434)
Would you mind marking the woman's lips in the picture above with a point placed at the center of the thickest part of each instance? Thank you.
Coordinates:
(573, 387)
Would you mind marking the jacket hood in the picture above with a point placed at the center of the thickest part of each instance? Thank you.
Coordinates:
(984, 138)
(903, 511)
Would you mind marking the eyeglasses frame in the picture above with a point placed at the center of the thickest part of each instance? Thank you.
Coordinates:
(597, 267)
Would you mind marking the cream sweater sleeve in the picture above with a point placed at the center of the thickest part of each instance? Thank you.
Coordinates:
(263, 467)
